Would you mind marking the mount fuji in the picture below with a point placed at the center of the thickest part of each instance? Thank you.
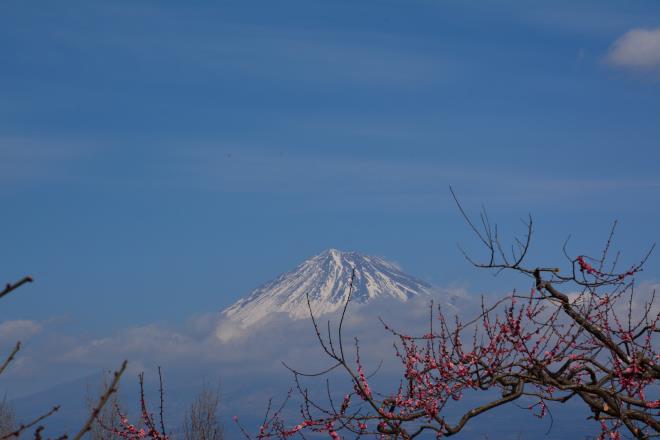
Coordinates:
(326, 278)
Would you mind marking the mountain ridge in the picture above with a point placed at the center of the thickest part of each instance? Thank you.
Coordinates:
(326, 278)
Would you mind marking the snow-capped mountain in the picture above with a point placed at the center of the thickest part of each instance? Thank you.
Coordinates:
(326, 278)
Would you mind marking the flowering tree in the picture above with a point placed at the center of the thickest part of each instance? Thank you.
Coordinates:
(149, 429)
(575, 334)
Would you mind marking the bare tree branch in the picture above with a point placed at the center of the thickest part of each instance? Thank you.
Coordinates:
(112, 388)
(11, 287)
(11, 357)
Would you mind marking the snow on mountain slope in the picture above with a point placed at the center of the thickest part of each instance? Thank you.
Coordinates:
(326, 277)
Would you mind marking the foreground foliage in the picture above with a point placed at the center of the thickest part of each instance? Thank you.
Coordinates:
(578, 333)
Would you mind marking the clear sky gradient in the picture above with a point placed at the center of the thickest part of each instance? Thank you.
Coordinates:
(162, 158)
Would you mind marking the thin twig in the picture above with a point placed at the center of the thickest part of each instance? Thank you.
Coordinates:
(10, 357)
(112, 388)
(11, 287)
(160, 389)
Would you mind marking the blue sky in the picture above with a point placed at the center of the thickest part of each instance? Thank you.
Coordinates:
(161, 159)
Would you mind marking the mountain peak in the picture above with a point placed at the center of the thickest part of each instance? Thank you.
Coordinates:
(326, 278)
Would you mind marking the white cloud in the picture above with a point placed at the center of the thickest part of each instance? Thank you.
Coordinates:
(17, 330)
(636, 49)
(218, 344)
(215, 344)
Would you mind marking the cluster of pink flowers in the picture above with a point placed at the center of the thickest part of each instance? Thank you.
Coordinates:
(129, 431)
(361, 385)
(274, 427)
(588, 268)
